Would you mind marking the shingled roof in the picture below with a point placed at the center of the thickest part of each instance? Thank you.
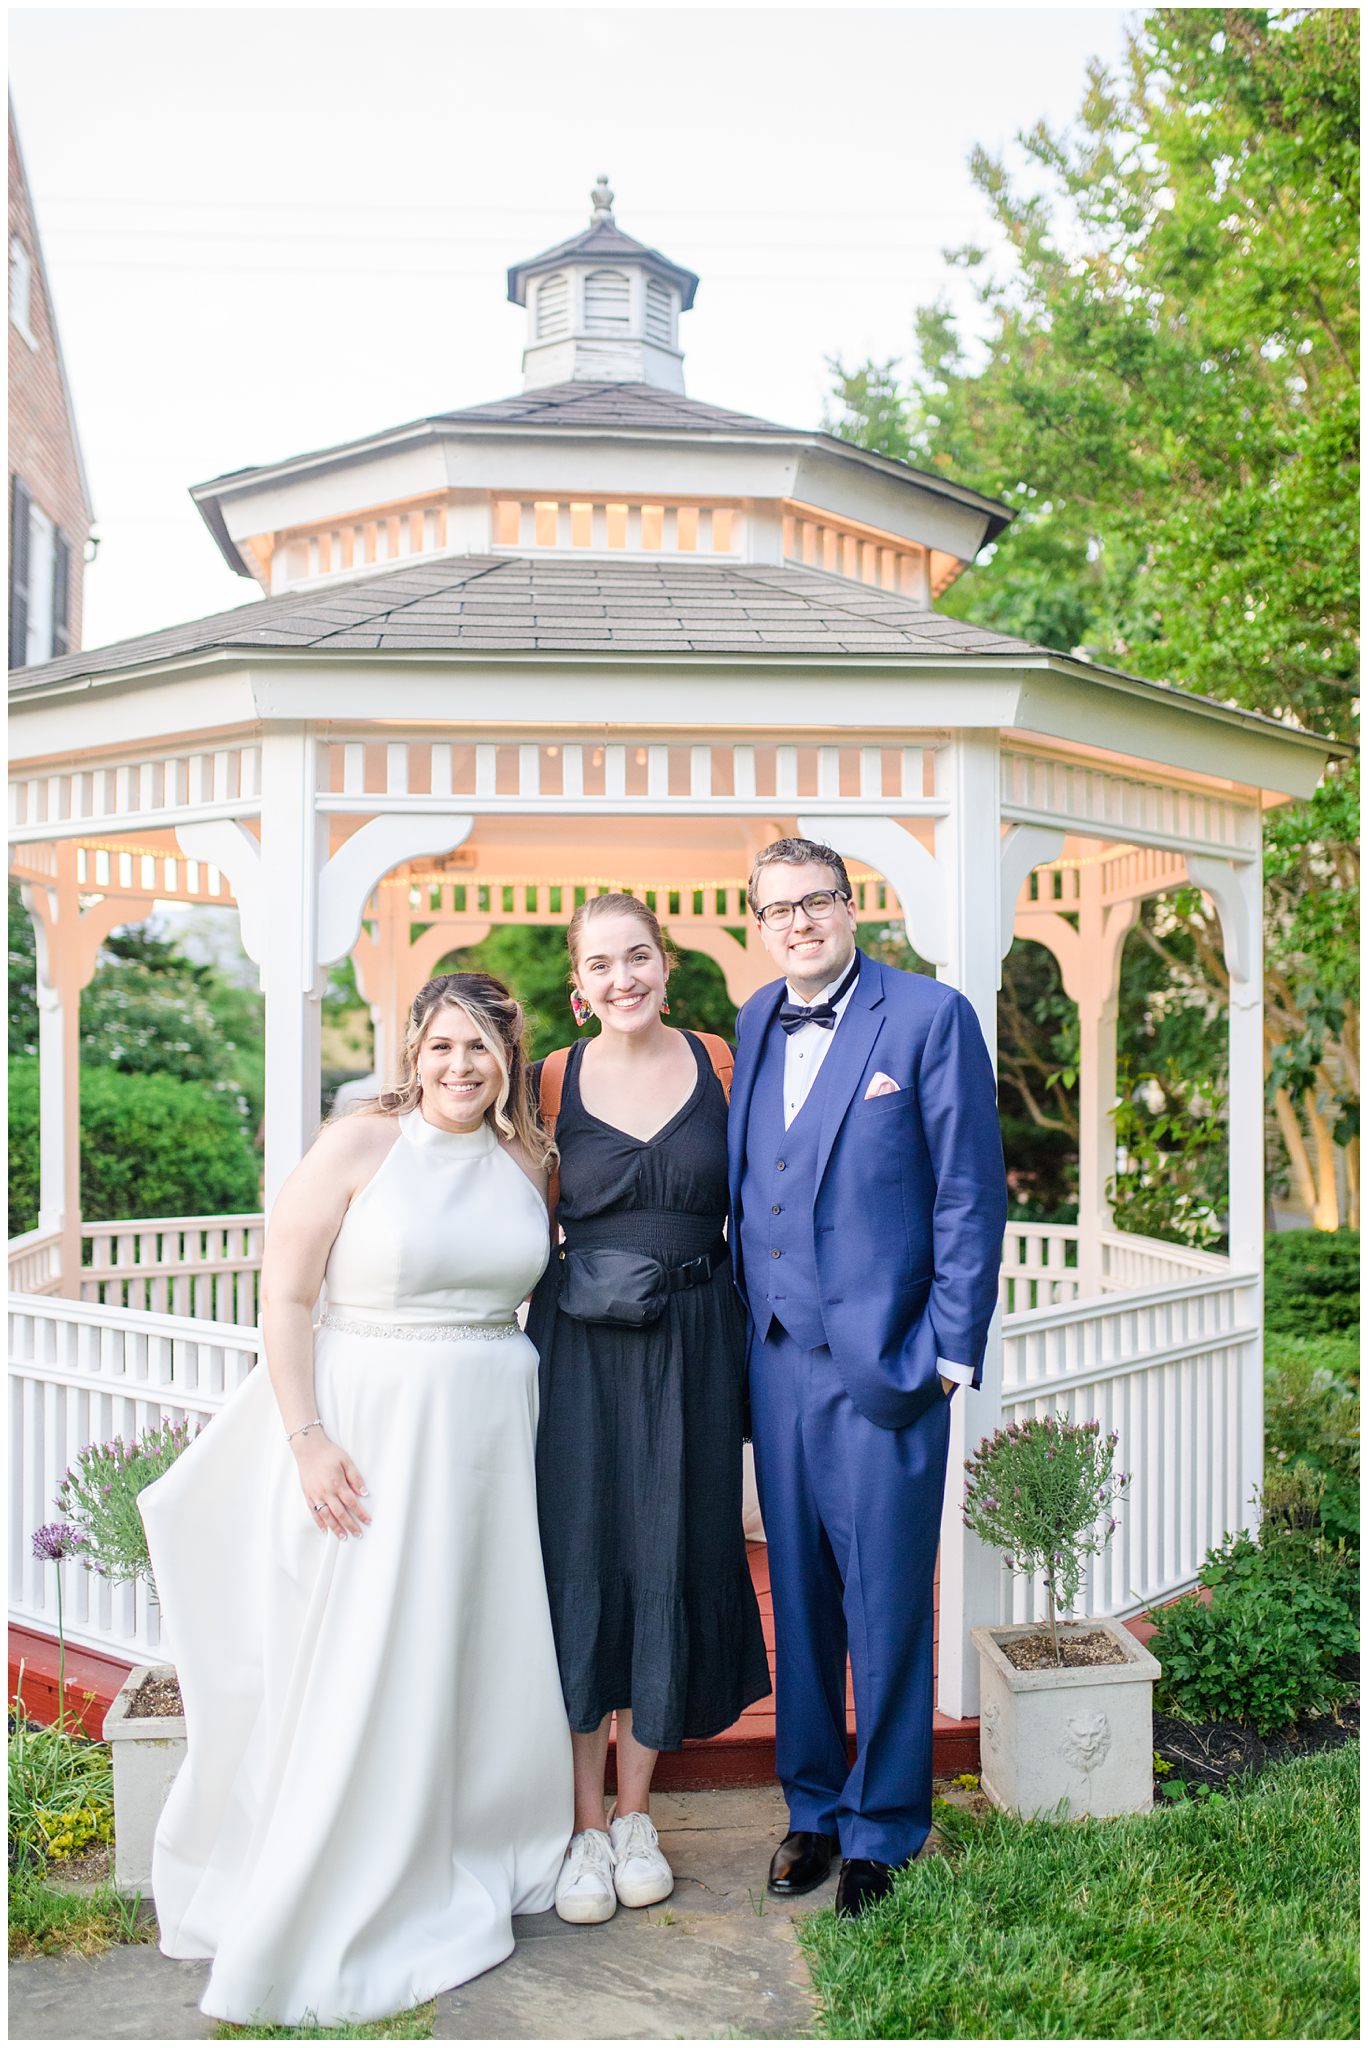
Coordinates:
(610, 405)
(480, 603)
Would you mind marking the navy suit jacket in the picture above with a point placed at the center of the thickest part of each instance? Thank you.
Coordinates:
(911, 1200)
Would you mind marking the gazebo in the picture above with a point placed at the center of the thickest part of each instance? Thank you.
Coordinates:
(602, 633)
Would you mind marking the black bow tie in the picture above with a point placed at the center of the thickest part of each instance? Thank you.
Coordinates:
(793, 1016)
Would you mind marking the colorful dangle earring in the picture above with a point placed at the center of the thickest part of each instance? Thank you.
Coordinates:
(664, 1006)
(580, 1010)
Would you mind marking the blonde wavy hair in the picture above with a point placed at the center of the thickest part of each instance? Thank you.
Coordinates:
(498, 1016)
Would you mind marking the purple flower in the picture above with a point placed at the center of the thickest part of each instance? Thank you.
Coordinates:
(56, 1540)
(991, 1504)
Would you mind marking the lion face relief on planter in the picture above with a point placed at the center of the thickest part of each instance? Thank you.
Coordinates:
(1065, 1706)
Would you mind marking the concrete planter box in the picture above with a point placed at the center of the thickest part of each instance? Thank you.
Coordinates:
(147, 1754)
(1081, 1735)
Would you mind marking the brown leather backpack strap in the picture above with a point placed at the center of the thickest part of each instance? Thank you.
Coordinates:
(720, 1054)
(549, 1102)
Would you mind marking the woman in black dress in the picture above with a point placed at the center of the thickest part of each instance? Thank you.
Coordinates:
(639, 1440)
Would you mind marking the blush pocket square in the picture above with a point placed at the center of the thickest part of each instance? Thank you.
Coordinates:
(882, 1084)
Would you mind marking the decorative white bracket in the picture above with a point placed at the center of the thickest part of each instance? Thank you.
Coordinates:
(1023, 848)
(916, 874)
(345, 885)
(224, 844)
(1229, 887)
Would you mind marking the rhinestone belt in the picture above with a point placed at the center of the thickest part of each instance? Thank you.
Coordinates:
(431, 1333)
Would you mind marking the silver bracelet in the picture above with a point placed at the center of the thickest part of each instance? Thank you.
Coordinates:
(303, 1428)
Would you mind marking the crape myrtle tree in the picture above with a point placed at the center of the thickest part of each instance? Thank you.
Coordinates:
(1163, 381)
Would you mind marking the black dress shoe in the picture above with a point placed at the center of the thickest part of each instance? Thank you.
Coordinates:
(862, 1883)
(800, 1863)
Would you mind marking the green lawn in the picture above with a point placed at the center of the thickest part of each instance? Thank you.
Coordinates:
(416, 2025)
(1237, 1919)
(44, 1921)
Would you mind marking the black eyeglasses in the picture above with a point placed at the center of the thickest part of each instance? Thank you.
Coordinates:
(818, 903)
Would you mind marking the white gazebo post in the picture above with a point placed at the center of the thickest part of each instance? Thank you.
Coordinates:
(67, 945)
(1095, 986)
(1236, 889)
(969, 847)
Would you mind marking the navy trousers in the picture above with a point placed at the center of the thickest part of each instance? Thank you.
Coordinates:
(852, 1520)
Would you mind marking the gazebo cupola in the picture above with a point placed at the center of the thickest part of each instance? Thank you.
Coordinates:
(602, 308)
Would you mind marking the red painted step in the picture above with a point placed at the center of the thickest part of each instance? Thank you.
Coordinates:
(742, 1755)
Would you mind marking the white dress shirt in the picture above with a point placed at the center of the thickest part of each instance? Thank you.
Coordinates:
(804, 1051)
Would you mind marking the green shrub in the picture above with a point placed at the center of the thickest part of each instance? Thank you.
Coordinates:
(1311, 1422)
(1311, 1282)
(150, 1146)
(1248, 1656)
(1317, 1582)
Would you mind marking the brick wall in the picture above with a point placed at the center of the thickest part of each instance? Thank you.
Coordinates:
(42, 442)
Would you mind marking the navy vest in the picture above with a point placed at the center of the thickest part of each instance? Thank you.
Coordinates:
(778, 1193)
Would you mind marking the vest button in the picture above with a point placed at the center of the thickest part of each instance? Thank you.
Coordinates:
(775, 1209)
(776, 1253)
(779, 1165)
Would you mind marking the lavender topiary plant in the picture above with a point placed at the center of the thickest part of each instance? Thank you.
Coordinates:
(1042, 1491)
(100, 1496)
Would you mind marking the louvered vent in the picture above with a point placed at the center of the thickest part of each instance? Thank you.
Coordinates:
(607, 302)
(553, 306)
(659, 312)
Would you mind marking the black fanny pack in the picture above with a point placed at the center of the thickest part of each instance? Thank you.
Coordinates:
(612, 1285)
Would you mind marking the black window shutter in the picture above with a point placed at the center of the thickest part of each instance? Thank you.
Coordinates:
(61, 592)
(19, 572)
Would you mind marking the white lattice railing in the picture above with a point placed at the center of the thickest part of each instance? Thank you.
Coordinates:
(1039, 1266)
(81, 1373)
(1176, 1370)
(35, 1262)
(1134, 1262)
(1169, 1356)
(206, 1267)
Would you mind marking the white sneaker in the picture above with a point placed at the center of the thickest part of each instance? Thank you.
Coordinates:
(584, 1889)
(641, 1875)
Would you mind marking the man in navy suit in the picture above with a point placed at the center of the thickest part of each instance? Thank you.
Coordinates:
(868, 1207)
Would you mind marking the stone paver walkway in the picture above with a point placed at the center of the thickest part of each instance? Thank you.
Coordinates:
(717, 1960)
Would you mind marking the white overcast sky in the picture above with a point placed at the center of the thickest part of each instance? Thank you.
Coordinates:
(267, 230)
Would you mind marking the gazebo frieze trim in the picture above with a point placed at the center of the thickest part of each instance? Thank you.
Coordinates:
(635, 775)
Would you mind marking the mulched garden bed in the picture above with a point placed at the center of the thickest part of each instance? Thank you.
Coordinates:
(1218, 1752)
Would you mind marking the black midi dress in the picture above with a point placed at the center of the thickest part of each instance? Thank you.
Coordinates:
(639, 1439)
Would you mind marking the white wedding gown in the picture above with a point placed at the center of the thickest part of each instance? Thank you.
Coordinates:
(378, 1773)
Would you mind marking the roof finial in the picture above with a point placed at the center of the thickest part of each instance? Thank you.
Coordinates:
(602, 197)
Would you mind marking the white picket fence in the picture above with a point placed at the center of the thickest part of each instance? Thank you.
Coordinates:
(1176, 1369)
(1169, 1355)
(82, 1373)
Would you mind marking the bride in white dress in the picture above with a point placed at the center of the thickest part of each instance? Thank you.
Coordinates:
(378, 1774)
